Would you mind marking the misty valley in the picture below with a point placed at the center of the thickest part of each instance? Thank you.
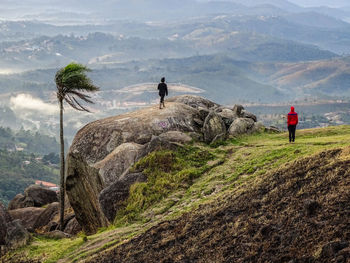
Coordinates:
(225, 63)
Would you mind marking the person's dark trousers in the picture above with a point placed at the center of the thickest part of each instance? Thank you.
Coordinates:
(291, 129)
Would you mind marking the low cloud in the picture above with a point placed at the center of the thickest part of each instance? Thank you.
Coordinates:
(26, 102)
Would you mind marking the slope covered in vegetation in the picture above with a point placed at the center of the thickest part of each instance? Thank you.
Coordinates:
(19, 163)
(251, 199)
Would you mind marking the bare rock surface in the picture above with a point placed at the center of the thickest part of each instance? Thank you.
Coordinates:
(98, 139)
(125, 155)
(194, 101)
(176, 136)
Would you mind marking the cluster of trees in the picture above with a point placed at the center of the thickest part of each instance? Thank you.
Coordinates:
(32, 142)
(18, 170)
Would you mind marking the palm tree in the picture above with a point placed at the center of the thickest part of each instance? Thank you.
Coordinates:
(72, 84)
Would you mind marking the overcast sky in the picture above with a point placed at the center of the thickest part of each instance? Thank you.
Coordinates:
(331, 3)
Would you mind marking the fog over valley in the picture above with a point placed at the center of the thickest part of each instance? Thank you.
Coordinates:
(267, 52)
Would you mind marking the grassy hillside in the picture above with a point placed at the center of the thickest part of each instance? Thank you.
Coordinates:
(250, 193)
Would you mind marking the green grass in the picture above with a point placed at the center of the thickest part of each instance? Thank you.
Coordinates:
(180, 181)
(166, 171)
(48, 249)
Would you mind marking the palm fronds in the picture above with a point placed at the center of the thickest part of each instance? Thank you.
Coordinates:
(72, 83)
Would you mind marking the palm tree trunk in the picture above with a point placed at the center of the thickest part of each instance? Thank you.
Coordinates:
(62, 169)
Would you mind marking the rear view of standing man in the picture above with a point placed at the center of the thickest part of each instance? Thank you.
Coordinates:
(163, 90)
(292, 121)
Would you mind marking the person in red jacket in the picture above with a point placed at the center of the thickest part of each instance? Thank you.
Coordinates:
(292, 121)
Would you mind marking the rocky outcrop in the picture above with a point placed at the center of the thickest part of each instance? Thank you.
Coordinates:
(103, 151)
(34, 196)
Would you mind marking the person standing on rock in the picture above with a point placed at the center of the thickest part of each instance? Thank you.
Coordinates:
(163, 90)
(292, 122)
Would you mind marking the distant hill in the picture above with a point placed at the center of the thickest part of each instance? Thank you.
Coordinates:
(315, 19)
(104, 49)
(330, 77)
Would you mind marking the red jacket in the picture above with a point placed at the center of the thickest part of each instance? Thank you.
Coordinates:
(292, 117)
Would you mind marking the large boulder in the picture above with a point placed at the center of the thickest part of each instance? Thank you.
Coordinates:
(112, 197)
(40, 195)
(241, 126)
(103, 151)
(34, 196)
(27, 216)
(95, 159)
(83, 185)
(213, 128)
(98, 139)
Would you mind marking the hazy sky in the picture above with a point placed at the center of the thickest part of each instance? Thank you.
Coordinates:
(331, 3)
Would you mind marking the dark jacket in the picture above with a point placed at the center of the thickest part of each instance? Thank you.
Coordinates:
(292, 117)
(163, 89)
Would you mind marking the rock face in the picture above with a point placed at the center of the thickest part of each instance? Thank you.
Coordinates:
(103, 151)
(34, 196)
